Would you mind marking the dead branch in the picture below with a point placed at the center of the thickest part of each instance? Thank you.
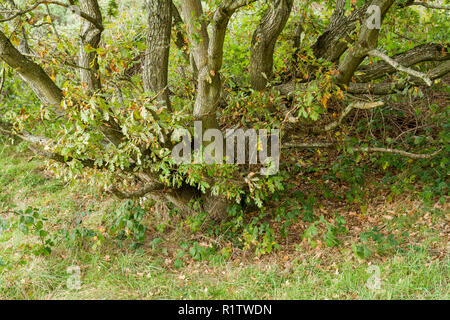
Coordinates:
(328, 145)
(390, 87)
(355, 105)
(420, 53)
(403, 153)
(396, 65)
(428, 5)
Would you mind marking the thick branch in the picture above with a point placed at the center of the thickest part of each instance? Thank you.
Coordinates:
(334, 41)
(33, 74)
(208, 56)
(42, 145)
(198, 35)
(149, 188)
(233, 5)
(90, 37)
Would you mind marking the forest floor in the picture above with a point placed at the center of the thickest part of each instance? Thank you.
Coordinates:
(418, 268)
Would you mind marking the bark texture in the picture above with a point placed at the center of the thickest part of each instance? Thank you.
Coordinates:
(32, 73)
(156, 61)
(421, 53)
(264, 40)
(90, 38)
(367, 40)
(334, 41)
(209, 83)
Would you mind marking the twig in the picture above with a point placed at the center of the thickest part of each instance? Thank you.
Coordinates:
(319, 145)
(69, 64)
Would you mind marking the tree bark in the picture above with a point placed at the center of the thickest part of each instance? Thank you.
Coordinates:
(90, 37)
(264, 40)
(156, 61)
(209, 83)
(44, 87)
(421, 53)
(334, 41)
(391, 87)
(368, 40)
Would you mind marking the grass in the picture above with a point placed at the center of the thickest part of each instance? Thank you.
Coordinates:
(417, 270)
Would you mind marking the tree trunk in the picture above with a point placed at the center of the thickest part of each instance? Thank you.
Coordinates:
(264, 40)
(90, 37)
(368, 40)
(209, 83)
(334, 41)
(156, 62)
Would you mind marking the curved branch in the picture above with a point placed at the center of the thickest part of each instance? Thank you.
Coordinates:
(355, 105)
(367, 40)
(236, 4)
(90, 37)
(44, 87)
(41, 145)
(421, 53)
(391, 87)
(264, 40)
(396, 65)
(334, 41)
